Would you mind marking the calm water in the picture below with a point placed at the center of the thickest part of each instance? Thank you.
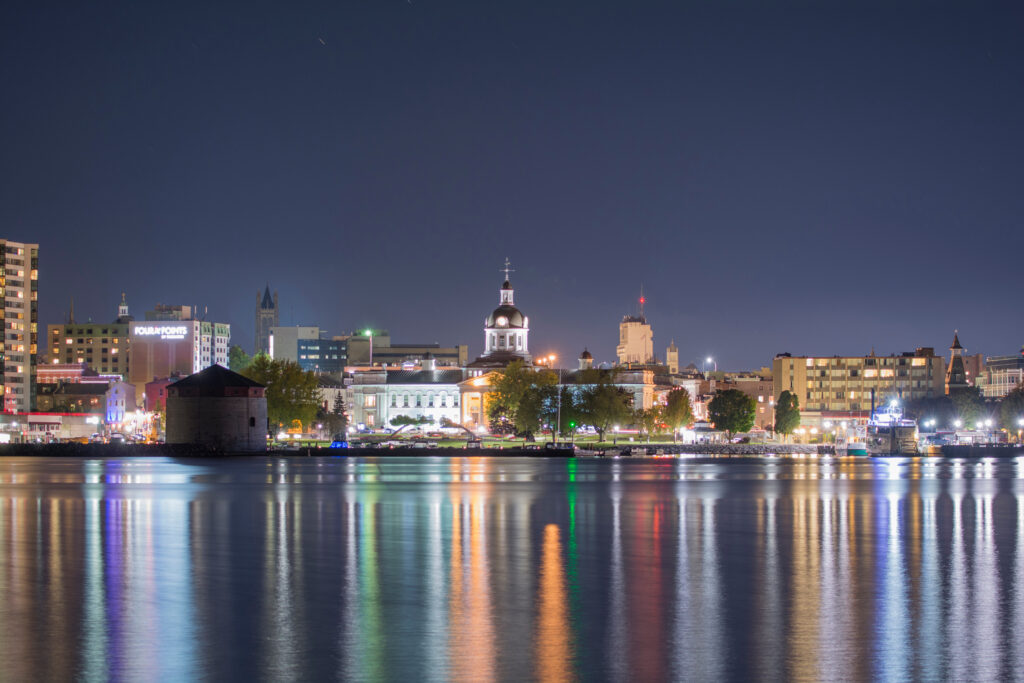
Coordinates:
(478, 569)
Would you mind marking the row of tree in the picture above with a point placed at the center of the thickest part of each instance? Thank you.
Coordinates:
(523, 400)
(969, 407)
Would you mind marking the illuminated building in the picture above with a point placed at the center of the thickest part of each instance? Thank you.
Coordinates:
(217, 408)
(636, 341)
(378, 395)
(757, 385)
(162, 348)
(506, 332)
(837, 387)
(1002, 375)
(19, 279)
(310, 347)
(267, 318)
(71, 372)
(104, 347)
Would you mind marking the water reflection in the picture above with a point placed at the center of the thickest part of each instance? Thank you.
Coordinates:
(475, 569)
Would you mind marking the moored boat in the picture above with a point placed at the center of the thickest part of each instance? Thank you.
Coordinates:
(889, 433)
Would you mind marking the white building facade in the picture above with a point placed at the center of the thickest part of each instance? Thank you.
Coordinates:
(377, 396)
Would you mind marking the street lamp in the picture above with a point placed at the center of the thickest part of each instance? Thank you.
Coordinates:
(958, 423)
(554, 432)
(711, 361)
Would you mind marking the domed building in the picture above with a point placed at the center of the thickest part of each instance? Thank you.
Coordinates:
(506, 332)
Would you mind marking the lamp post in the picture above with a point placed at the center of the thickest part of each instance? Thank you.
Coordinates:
(554, 432)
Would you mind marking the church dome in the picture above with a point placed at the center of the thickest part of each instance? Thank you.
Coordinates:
(586, 355)
(506, 316)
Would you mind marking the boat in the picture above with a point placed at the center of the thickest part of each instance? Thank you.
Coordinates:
(889, 433)
(852, 442)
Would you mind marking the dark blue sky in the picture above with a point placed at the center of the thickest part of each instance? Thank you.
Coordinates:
(812, 177)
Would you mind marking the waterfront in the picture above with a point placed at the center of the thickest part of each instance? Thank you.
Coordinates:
(501, 568)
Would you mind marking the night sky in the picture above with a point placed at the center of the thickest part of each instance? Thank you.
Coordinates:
(811, 177)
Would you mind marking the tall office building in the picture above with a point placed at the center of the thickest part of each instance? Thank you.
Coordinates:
(267, 318)
(19, 277)
(171, 341)
(104, 347)
(636, 341)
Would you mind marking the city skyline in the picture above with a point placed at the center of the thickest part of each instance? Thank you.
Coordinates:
(776, 180)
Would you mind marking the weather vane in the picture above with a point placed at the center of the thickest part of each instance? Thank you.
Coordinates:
(508, 268)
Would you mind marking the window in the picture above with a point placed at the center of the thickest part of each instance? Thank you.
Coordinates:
(370, 401)
(252, 421)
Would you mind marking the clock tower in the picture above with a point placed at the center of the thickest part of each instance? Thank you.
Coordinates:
(506, 330)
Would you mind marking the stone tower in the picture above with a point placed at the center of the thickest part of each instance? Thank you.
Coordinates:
(266, 318)
(672, 357)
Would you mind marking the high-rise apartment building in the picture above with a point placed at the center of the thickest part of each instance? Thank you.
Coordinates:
(104, 347)
(842, 386)
(19, 279)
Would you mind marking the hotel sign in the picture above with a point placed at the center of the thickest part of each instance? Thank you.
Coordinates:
(162, 331)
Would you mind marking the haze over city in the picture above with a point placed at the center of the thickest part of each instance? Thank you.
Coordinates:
(790, 177)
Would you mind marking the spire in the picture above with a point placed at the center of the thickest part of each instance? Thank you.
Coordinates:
(505, 297)
(643, 300)
(71, 315)
(267, 302)
(956, 340)
(507, 269)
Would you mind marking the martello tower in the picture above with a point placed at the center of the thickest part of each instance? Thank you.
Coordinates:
(266, 318)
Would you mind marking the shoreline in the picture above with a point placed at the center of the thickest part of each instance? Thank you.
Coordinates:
(746, 451)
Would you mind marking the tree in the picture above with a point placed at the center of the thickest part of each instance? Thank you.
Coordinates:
(732, 411)
(532, 409)
(238, 359)
(508, 389)
(968, 404)
(1011, 409)
(649, 420)
(292, 393)
(604, 404)
(334, 420)
(787, 413)
(677, 412)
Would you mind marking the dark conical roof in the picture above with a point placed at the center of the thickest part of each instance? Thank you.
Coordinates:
(216, 377)
(956, 341)
(268, 301)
